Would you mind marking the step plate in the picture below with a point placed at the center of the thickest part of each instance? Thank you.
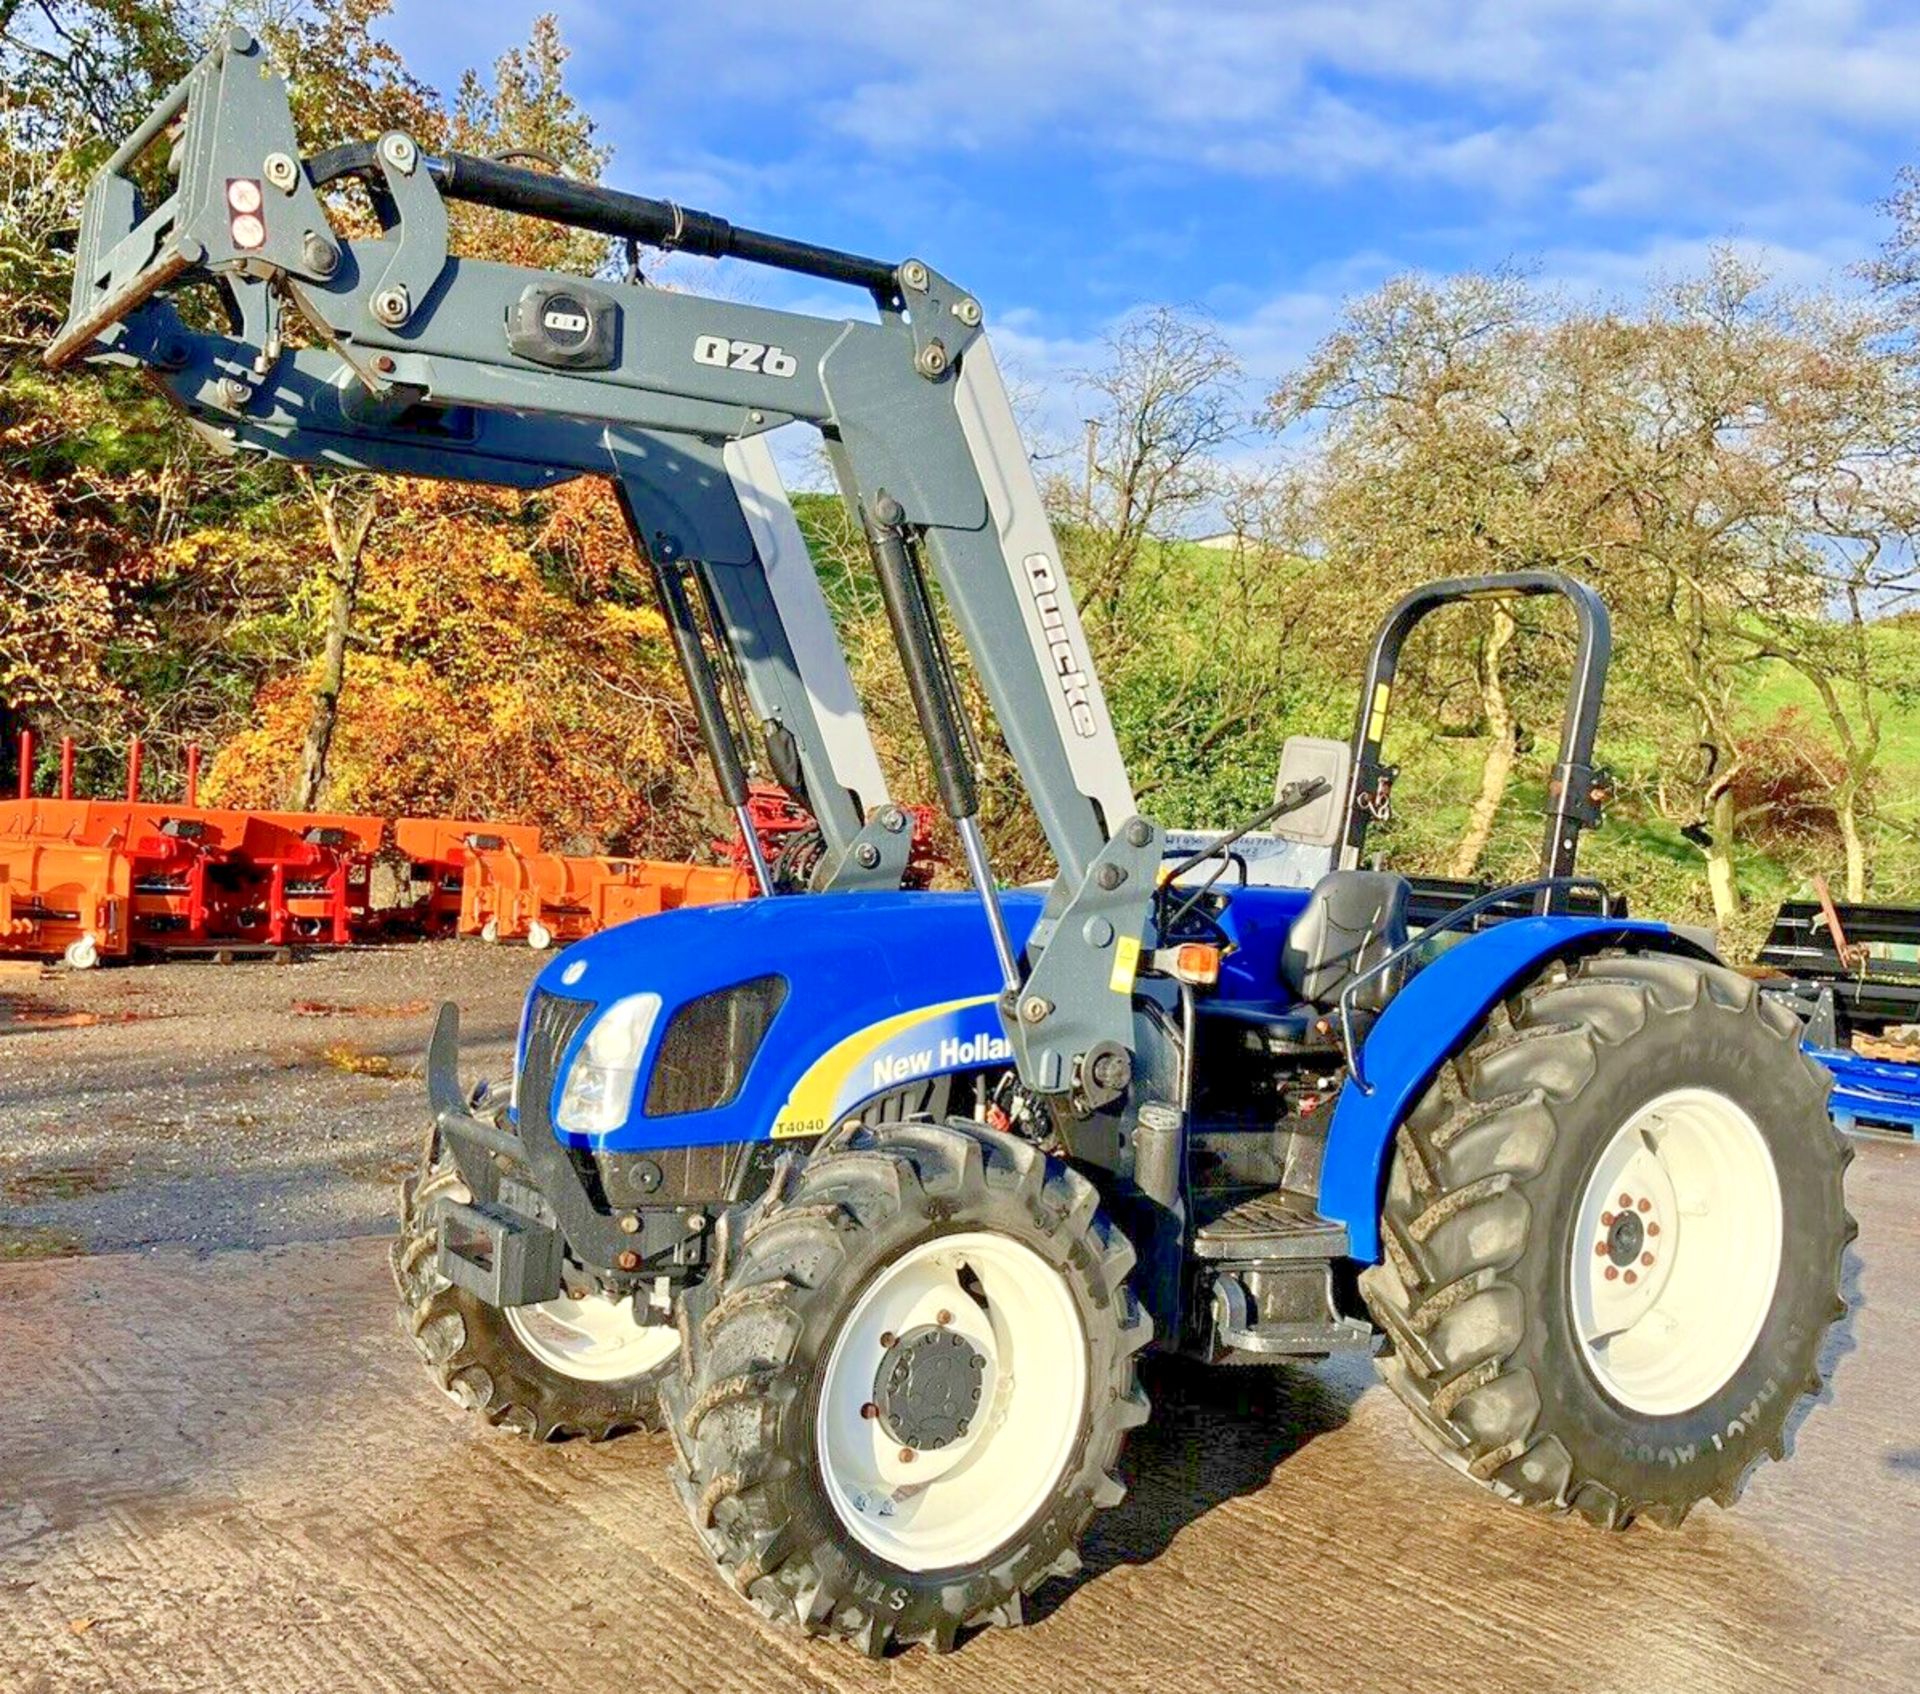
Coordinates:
(1271, 1226)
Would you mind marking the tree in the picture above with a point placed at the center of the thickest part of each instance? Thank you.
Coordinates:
(346, 507)
(525, 112)
(1428, 460)
(1164, 404)
(1727, 463)
(488, 684)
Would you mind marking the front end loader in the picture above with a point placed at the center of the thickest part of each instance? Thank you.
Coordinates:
(875, 1199)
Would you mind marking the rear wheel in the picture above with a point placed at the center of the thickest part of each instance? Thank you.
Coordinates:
(906, 1389)
(562, 1368)
(1614, 1229)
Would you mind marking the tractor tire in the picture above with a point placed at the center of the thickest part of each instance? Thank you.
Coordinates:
(1614, 1230)
(861, 1314)
(567, 1368)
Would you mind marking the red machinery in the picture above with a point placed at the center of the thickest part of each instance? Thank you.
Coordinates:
(791, 840)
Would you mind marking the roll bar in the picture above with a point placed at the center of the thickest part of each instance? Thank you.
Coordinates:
(1576, 790)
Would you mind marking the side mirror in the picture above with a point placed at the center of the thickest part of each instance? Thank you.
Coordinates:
(1321, 822)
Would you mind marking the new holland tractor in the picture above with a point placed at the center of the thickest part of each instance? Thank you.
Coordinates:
(875, 1199)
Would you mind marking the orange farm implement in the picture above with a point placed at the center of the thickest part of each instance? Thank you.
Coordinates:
(93, 880)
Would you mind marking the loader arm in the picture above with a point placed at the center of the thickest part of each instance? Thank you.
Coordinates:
(721, 513)
(449, 365)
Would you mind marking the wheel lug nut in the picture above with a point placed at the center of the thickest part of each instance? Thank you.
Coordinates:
(1632, 1276)
(1646, 1258)
(1653, 1229)
(906, 1455)
(1606, 1220)
(1626, 1199)
(869, 1411)
(1646, 1205)
(886, 1338)
(943, 1318)
(1612, 1272)
(1600, 1249)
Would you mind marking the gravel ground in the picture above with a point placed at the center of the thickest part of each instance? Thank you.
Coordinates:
(229, 1105)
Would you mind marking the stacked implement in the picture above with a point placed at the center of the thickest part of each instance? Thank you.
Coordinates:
(92, 880)
(508, 894)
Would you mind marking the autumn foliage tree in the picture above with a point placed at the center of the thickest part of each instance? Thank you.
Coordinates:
(486, 686)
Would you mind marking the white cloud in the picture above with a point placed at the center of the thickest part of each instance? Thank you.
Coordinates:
(1620, 102)
(1622, 105)
(1599, 143)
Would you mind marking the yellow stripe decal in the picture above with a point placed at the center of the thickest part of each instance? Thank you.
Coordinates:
(1377, 718)
(1126, 956)
(815, 1098)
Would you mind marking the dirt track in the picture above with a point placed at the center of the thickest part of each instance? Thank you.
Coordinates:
(225, 1471)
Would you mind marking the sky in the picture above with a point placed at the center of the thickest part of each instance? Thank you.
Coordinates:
(1072, 160)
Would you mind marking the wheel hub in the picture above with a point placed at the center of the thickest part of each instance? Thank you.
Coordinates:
(1624, 1238)
(1628, 1240)
(1677, 1251)
(926, 1392)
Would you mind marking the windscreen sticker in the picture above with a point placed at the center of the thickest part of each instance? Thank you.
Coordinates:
(929, 1041)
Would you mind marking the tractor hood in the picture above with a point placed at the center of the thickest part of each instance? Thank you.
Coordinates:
(876, 990)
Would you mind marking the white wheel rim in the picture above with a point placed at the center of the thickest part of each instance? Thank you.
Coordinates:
(955, 1504)
(1677, 1252)
(592, 1340)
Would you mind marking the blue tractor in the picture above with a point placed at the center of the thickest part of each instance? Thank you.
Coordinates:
(874, 1200)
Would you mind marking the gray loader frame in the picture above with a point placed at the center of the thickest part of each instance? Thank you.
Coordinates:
(429, 363)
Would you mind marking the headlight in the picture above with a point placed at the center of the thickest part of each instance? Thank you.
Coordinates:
(599, 1088)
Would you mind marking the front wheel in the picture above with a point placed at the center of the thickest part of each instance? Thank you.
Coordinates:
(1614, 1228)
(565, 1367)
(907, 1388)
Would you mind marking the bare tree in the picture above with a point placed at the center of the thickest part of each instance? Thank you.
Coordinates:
(1164, 404)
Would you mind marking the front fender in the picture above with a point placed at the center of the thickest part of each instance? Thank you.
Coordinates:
(1428, 1021)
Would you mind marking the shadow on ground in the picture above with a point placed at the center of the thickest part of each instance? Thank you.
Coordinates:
(1215, 1435)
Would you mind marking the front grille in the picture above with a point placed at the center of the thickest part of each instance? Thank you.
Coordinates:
(550, 1026)
(708, 1046)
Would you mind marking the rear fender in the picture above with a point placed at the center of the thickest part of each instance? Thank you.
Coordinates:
(1426, 1023)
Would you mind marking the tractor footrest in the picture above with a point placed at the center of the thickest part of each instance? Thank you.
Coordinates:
(1276, 1225)
(504, 1257)
(1282, 1311)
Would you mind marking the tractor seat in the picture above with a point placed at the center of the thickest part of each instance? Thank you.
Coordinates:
(1351, 921)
